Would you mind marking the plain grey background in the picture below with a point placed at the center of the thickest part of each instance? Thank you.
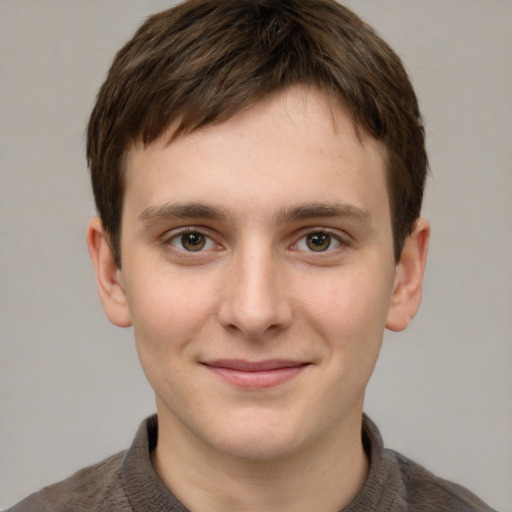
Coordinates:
(71, 391)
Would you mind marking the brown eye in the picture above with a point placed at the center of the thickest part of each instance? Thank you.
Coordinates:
(318, 242)
(193, 241)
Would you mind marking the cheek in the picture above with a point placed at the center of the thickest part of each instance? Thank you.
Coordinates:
(350, 316)
(167, 321)
(167, 313)
(350, 302)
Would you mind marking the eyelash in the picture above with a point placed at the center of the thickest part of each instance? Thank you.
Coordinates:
(332, 239)
(177, 238)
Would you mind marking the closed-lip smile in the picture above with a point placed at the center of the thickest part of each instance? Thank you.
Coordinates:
(256, 374)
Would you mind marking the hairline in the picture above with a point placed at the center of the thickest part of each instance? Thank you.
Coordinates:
(175, 129)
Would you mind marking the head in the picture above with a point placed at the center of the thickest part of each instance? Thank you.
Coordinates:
(258, 168)
(203, 61)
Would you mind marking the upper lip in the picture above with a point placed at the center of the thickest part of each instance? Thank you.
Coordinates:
(254, 366)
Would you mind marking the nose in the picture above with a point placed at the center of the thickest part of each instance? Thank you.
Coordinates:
(255, 299)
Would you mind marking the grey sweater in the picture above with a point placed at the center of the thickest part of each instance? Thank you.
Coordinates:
(126, 482)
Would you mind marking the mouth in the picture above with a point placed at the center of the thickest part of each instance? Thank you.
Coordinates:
(256, 375)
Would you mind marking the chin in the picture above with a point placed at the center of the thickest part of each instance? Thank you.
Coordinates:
(258, 438)
(258, 448)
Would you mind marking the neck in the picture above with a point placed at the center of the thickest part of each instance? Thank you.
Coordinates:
(324, 477)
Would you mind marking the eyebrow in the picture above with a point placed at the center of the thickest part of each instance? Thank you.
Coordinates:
(324, 210)
(197, 210)
(182, 211)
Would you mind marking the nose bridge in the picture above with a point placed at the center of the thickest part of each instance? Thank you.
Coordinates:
(254, 299)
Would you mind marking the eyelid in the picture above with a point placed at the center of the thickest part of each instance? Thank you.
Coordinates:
(344, 240)
(174, 234)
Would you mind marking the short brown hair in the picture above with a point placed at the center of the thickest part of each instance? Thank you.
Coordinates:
(205, 60)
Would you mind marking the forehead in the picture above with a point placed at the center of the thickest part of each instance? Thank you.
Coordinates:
(296, 146)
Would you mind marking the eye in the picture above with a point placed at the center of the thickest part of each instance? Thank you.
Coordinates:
(192, 241)
(318, 241)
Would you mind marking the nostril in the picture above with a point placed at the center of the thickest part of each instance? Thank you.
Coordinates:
(254, 301)
(255, 323)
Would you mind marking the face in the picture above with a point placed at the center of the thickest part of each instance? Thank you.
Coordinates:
(258, 274)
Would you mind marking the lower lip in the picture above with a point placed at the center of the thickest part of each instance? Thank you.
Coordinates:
(258, 379)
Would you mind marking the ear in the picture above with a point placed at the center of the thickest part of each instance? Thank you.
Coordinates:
(408, 285)
(108, 276)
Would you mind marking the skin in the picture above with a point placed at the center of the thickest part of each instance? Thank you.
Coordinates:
(263, 240)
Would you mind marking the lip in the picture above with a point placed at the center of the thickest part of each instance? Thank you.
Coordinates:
(256, 374)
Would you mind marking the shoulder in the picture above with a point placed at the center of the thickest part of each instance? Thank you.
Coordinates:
(422, 490)
(98, 487)
(397, 484)
(108, 486)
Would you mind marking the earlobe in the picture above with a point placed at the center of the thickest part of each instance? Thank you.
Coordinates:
(408, 285)
(108, 276)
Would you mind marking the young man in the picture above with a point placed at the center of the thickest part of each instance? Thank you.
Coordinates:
(258, 169)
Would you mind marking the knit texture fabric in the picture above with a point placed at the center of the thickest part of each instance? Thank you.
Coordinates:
(126, 482)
